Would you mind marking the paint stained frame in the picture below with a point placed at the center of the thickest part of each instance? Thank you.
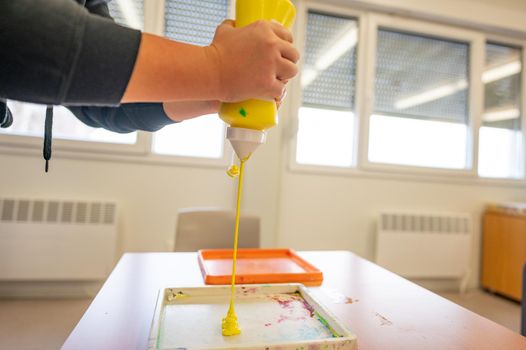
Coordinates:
(282, 316)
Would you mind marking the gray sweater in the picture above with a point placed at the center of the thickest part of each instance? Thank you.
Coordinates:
(62, 52)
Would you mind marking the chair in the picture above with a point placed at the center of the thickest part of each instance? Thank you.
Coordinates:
(523, 303)
(213, 228)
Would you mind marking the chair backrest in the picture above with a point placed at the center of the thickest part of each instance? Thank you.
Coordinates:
(523, 302)
(212, 228)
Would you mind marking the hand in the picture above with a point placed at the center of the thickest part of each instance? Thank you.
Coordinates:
(183, 110)
(253, 61)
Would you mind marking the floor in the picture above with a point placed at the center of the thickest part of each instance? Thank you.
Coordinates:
(497, 309)
(49, 322)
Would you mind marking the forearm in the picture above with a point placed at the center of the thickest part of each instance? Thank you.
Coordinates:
(183, 110)
(254, 61)
(167, 70)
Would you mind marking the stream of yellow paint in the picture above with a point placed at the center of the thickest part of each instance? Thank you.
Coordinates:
(229, 324)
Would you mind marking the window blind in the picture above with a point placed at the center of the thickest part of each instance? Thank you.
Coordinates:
(502, 91)
(421, 77)
(128, 12)
(329, 71)
(194, 22)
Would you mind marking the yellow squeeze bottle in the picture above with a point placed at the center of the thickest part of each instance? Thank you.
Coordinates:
(248, 120)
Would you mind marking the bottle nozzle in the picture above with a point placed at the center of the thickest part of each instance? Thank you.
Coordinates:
(245, 141)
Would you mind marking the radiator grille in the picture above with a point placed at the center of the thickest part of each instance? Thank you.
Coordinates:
(53, 211)
(425, 245)
(435, 223)
(57, 239)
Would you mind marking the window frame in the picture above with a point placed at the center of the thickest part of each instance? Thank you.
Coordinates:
(369, 19)
(504, 40)
(296, 92)
(372, 19)
(142, 150)
(476, 46)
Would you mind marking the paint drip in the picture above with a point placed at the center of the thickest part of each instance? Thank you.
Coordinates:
(229, 324)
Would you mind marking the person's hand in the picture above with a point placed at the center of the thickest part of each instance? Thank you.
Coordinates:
(179, 111)
(254, 61)
(183, 110)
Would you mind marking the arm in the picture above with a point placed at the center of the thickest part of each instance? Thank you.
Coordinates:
(55, 52)
(241, 63)
(125, 118)
(129, 117)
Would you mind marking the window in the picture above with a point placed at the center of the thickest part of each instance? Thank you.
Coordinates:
(128, 12)
(420, 113)
(193, 22)
(327, 122)
(500, 137)
(200, 137)
(28, 119)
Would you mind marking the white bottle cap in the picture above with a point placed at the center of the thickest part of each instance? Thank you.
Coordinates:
(245, 141)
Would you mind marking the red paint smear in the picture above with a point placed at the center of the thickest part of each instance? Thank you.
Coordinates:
(246, 290)
(283, 318)
(307, 307)
(287, 304)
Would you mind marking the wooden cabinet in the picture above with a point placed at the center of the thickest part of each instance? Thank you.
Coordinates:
(504, 251)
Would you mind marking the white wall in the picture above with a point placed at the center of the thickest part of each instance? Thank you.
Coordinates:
(148, 196)
(506, 15)
(303, 211)
(342, 211)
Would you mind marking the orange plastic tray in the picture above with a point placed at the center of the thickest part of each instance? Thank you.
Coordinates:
(257, 266)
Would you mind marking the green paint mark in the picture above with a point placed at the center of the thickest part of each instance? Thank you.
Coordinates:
(326, 324)
(243, 112)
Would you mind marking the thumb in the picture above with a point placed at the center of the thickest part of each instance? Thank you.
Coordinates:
(228, 23)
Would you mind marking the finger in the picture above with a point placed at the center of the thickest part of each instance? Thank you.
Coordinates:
(279, 100)
(283, 95)
(281, 31)
(227, 24)
(277, 89)
(286, 70)
(289, 52)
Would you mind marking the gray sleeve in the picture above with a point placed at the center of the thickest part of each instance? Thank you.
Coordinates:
(56, 52)
(127, 117)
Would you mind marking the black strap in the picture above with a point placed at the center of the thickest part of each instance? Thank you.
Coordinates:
(48, 134)
(6, 118)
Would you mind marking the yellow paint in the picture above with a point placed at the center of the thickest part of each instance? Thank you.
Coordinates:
(251, 114)
(233, 171)
(257, 114)
(229, 325)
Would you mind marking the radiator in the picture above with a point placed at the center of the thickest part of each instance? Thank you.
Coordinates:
(56, 240)
(425, 245)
